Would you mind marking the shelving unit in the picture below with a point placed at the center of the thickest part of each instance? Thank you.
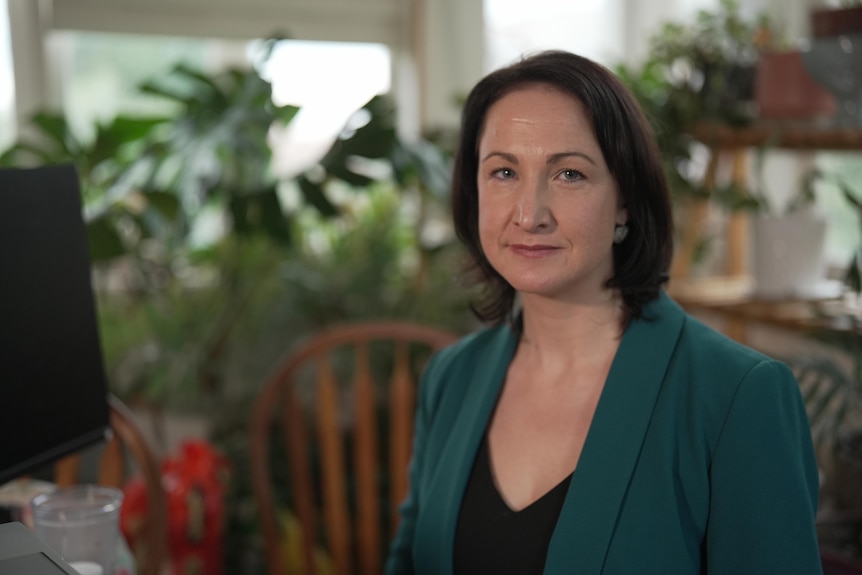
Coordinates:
(733, 143)
(788, 136)
(731, 295)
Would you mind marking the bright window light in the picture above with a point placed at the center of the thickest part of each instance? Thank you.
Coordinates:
(7, 82)
(329, 81)
(592, 28)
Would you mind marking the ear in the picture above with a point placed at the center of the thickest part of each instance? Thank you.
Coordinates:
(621, 217)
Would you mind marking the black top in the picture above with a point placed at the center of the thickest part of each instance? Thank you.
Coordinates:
(491, 538)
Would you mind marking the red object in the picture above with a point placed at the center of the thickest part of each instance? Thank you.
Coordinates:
(133, 511)
(784, 89)
(835, 21)
(195, 481)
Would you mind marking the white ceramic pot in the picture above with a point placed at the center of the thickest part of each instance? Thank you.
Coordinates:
(787, 258)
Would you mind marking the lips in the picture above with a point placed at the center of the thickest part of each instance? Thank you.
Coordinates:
(533, 251)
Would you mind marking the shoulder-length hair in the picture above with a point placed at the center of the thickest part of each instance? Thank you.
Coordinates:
(641, 262)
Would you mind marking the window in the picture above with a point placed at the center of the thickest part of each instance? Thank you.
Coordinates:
(329, 81)
(593, 28)
(843, 236)
(7, 82)
(101, 72)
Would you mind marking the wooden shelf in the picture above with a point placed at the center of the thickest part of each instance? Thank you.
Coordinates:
(732, 142)
(733, 298)
(795, 136)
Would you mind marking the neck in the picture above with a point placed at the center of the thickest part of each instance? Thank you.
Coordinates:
(553, 328)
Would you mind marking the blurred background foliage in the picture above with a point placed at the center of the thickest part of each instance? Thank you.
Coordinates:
(208, 266)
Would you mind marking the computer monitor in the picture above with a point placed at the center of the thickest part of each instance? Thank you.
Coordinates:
(53, 390)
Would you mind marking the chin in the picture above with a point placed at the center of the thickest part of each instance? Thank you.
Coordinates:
(567, 289)
(544, 288)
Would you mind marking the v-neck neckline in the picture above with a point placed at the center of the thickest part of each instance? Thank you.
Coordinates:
(485, 466)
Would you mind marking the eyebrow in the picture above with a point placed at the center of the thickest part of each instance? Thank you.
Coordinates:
(552, 159)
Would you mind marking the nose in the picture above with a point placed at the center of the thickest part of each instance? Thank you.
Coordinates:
(533, 211)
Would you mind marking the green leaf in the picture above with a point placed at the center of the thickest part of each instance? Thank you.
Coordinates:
(813, 385)
(165, 203)
(17, 155)
(314, 195)
(342, 172)
(853, 275)
(154, 89)
(201, 79)
(374, 139)
(111, 138)
(9, 157)
(746, 205)
(285, 114)
(240, 208)
(424, 161)
(103, 240)
(849, 195)
(130, 129)
(819, 408)
(260, 212)
(274, 222)
(52, 125)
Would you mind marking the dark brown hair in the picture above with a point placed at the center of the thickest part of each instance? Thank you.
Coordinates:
(641, 262)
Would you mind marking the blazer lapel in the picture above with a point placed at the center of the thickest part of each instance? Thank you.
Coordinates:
(455, 463)
(598, 486)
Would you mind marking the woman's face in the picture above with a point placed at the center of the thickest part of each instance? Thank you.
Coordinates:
(547, 202)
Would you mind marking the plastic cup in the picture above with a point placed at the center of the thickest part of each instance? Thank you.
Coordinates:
(81, 523)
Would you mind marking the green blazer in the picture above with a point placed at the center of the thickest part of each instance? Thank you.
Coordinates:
(698, 460)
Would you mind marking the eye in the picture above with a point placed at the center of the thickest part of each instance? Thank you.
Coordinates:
(571, 175)
(503, 173)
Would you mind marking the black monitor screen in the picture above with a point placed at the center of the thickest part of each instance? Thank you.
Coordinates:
(52, 378)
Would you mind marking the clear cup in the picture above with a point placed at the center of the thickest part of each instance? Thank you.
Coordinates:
(81, 523)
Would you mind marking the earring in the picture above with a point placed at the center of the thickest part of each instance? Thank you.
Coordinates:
(620, 233)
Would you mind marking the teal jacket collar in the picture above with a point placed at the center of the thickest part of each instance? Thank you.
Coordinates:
(610, 452)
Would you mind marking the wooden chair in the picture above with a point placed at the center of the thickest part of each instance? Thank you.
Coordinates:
(331, 392)
(128, 438)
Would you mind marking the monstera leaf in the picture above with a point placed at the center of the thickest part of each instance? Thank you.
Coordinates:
(375, 139)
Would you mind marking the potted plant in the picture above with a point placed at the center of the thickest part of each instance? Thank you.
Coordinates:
(695, 73)
(788, 241)
(710, 65)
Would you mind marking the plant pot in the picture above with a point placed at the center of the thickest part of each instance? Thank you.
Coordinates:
(835, 21)
(788, 254)
(784, 89)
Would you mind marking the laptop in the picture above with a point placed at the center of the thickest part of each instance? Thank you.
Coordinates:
(23, 553)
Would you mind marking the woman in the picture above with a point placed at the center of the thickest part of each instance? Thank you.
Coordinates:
(593, 427)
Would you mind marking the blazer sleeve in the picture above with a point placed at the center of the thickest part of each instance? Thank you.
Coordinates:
(400, 559)
(764, 481)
